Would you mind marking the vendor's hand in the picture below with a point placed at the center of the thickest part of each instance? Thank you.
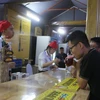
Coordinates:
(56, 60)
(54, 67)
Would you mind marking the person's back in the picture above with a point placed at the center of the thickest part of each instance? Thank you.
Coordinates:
(62, 57)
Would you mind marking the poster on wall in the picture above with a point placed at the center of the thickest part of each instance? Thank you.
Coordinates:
(12, 17)
(38, 31)
(21, 39)
(24, 44)
(25, 27)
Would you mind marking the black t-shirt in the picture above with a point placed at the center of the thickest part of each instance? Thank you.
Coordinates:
(90, 70)
(62, 57)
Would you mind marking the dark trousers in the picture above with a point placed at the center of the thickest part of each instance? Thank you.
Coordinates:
(92, 97)
(41, 71)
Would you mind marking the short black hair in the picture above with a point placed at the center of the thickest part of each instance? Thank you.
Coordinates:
(78, 36)
(96, 40)
(61, 48)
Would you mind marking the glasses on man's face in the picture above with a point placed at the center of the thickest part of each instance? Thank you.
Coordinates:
(72, 47)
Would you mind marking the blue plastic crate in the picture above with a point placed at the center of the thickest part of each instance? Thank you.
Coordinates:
(18, 62)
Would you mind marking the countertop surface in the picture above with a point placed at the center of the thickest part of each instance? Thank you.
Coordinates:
(28, 88)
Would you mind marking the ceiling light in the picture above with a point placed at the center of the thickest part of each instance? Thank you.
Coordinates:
(54, 31)
(33, 16)
(54, 23)
(61, 31)
(19, 16)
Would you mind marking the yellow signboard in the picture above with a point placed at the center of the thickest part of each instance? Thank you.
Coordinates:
(70, 84)
(52, 94)
(65, 90)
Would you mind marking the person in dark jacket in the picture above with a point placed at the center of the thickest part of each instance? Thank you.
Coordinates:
(95, 43)
(62, 57)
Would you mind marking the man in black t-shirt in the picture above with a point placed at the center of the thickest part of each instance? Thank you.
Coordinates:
(95, 43)
(62, 57)
(89, 70)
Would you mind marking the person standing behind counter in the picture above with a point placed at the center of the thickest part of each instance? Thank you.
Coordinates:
(7, 31)
(45, 61)
(62, 57)
(89, 70)
(95, 43)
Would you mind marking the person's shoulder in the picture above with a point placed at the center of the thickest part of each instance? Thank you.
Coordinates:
(58, 54)
(65, 54)
(94, 54)
(41, 54)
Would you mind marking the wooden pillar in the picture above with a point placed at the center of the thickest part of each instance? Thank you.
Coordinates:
(91, 19)
(98, 18)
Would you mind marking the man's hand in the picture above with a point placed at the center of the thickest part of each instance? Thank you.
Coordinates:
(73, 71)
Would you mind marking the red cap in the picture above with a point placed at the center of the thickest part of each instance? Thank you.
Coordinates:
(4, 25)
(53, 44)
